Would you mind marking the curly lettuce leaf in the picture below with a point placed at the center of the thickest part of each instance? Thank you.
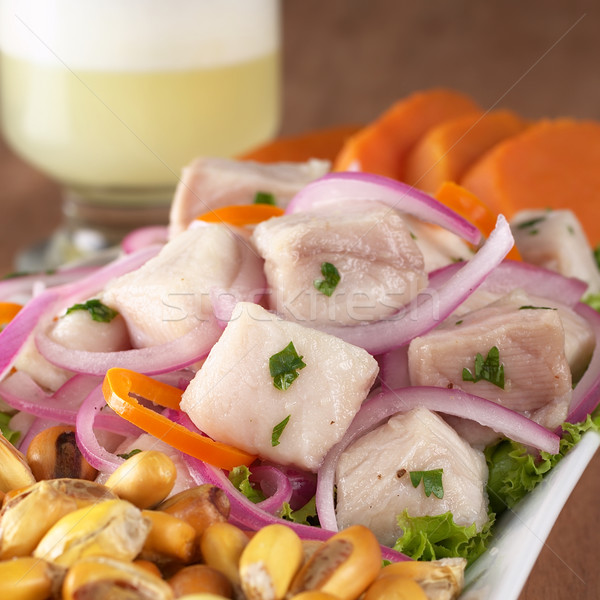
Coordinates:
(435, 537)
(306, 515)
(12, 435)
(513, 472)
(240, 478)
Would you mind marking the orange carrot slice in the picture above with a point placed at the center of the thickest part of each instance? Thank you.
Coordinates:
(8, 311)
(324, 144)
(122, 387)
(242, 214)
(553, 164)
(382, 146)
(446, 151)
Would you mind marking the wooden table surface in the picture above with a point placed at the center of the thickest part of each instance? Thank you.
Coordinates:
(347, 60)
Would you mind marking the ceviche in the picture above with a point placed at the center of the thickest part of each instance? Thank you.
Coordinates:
(337, 361)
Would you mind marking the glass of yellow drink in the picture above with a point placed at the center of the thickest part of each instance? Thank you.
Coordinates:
(113, 98)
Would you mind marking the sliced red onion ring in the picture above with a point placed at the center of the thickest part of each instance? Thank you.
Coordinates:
(88, 444)
(393, 368)
(171, 356)
(40, 309)
(248, 515)
(586, 395)
(432, 305)
(353, 186)
(144, 237)
(537, 281)
(451, 402)
(275, 485)
(20, 392)
(25, 284)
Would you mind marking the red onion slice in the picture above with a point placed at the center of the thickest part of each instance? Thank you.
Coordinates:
(144, 237)
(171, 356)
(275, 485)
(586, 394)
(451, 402)
(432, 305)
(247, 515)
(354, 186)
(537, 281)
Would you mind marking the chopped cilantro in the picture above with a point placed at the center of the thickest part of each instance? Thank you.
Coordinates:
(284, 365)
(531, 223)
(432, 481)
(306, 515)
(128, 455)
(413, 236)
(332, 278)
(12, 435)
(240, 479)
(530, 307)
(570, 229)
(597, 255)
(278, 430)
(458, 322)
(98, 311)
(593, 300)
(264, 198)
(489, 369)
(534, 232)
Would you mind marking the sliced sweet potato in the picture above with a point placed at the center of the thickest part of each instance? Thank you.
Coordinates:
(382, 146)
(446, 151)
(324, 144)
(552, 164)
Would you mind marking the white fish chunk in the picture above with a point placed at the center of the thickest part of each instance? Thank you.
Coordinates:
(233, 400)
(76, 330)
(555, 240)
(531, 345)
(373, 475)
(438, 246)
(381, 268)
(170, 294)
(209, 183)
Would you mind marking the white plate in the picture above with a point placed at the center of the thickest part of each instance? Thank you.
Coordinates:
(501, 572)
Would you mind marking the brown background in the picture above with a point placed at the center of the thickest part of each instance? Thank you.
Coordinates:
(347, 60)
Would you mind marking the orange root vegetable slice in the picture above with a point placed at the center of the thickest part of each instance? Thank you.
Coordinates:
(382, 146)
(553, 164)
(324, 144)
(242, 214)
(447, 151)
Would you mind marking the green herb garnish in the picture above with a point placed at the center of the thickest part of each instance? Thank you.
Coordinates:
(306, 515)
(278, 430)
(240, 479)
(130, 454)
(489, 369)
(264, 198)
(530, 307)
(12, 435)
(432, 481)
(97, 310)
(284, 365)
(531, 223)
(332, 278)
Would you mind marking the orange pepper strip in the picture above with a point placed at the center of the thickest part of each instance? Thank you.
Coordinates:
(120, 389)
(243, 214)
(8, 311)
(469, 206)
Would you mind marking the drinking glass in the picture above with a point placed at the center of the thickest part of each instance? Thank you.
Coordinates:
(113, 98)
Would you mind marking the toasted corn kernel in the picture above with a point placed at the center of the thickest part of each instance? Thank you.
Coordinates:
(14, 470)
(269, 562)
(395, 587)
(53, 453)
(29, 578)
(440, 579)
(169, 538)
(101, 577)
(147, 565)
(113, 528)
(30, 513)
(314, 595)
(221, 546)
(145, 479)
(200, 506)
(344, 566)
(197, 579)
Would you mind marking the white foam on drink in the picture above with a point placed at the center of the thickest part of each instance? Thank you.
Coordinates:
(139, 35)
